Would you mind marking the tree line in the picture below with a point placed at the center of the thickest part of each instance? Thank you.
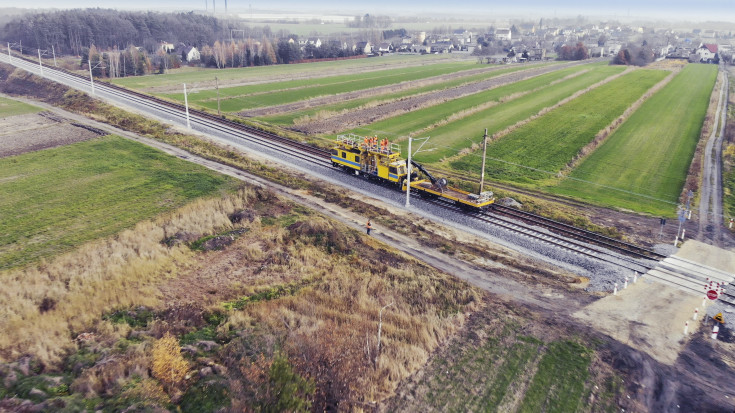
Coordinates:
(121, 43)
(70, 31)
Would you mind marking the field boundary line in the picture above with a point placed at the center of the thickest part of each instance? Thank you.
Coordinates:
(371, 92)
(610, 129)
(479, 108)
(542, 112)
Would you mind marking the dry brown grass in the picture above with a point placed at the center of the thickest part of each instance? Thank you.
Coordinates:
(330, 326)
(47, 304)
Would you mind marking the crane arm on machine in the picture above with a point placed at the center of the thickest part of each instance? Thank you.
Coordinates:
(441, 183)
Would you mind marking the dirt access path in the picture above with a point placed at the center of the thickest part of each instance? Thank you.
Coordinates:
(710, 204)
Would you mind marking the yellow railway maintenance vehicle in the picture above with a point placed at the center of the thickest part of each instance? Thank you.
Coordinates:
(380, 159)
(370, 157)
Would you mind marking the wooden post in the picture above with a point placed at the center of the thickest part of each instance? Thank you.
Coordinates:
(380, 327)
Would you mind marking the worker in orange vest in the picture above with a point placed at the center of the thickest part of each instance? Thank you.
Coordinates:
(368, 226)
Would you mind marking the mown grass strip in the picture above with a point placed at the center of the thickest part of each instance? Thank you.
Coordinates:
(537, 150)
(558, 385)
(405, 124)
(447, 140)
(276, 93)
(257, 73)
(56, 199)
(643, 165)
(288, 118)
(10, 107)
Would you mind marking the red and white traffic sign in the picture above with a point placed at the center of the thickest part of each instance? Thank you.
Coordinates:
(712, 294)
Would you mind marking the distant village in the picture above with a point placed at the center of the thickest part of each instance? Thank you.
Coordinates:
(517, 43)
(146, 43)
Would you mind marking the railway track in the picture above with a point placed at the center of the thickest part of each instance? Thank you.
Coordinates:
(580, 234)
(575, 246)
(300, 150)
(560, 235)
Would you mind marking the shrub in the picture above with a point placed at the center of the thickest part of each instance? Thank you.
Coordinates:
(169, 365)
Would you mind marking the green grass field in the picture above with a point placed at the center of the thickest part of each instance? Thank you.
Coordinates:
(643, 165)
(559, 384)
(447, 140)
(190, 75)
(405, 124)
(275, 93)
(486, 375)
(536, 151)
(10, 107)
(287, 119)
(56, 199)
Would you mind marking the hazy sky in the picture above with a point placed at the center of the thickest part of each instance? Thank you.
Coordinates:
(655, 9)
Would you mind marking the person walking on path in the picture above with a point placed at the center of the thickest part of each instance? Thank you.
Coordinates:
(368, 226)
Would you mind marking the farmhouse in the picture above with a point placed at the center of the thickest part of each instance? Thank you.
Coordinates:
(385, 47)
(502, 34)
(166, 47)
(190, 54)
(707, 53)
(363, 48)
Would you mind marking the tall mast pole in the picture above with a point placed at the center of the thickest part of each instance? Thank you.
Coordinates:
(186, 104)
(408, 177)
(484, 151)
(91, 79)
(216, 83)
(39, 61)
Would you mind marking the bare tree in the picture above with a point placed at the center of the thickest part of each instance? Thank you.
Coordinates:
(220, 54)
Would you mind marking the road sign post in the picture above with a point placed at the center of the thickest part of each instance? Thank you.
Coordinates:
(712, 294)
(682, 218)
(663, 222)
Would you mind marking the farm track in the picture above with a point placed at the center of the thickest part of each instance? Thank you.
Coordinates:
(357, 118)
(710, 204)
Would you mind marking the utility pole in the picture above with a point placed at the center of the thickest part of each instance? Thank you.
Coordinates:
(484, 151)
(408, 177)
(39, 61)
(216, 86)
(54, 52)
(10, 57)
(186, 104)
(91, 79)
